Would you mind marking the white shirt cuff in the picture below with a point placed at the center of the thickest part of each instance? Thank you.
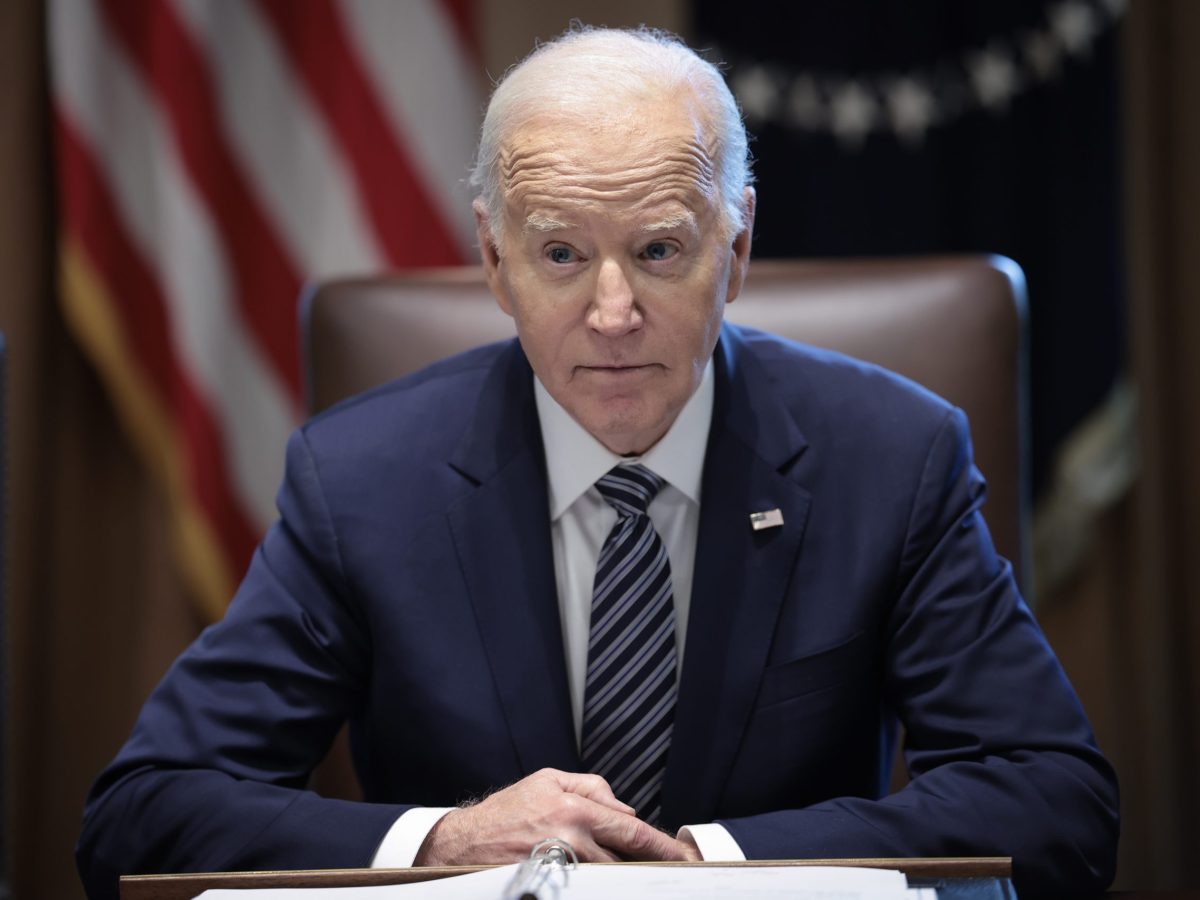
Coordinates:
(714, 842)
(399, 846)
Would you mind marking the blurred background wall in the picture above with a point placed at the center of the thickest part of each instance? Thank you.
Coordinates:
(98, 603)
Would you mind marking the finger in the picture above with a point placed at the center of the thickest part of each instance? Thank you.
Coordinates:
(691, 850)
(593, 787)
(633, 839)
(590, 851)
(605, 834)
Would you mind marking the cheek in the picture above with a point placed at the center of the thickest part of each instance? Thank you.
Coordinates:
(544, 325)
(529, 299)
(696, 321)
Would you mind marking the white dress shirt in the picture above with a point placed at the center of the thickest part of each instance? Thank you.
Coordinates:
(580, 521)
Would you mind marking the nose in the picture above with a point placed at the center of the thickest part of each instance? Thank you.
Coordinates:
(614, 311)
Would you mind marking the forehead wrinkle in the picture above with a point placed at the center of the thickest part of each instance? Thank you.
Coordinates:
(692, 155)
(663, 209)
(526, 169)
(517, 171)
(538, 221)
(544, 198)
(677, 191)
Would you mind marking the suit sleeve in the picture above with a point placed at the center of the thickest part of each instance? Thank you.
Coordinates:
(1001, 757)
(213, 776)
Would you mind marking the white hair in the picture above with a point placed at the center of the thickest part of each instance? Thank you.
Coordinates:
(577, 75)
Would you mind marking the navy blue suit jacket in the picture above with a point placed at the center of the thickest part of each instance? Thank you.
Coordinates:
(409, 587)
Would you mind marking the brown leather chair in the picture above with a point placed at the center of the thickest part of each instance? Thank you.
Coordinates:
(953, 324)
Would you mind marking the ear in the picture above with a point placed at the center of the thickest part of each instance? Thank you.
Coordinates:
(490, 255)
(740, 249)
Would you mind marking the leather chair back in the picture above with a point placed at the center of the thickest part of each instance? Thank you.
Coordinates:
(953, 324)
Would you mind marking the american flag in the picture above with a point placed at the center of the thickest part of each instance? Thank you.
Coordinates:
(212, 156)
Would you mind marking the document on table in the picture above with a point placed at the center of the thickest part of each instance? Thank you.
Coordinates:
(630, 882)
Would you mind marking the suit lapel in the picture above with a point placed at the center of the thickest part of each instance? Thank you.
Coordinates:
(502, 536)
(740, 579)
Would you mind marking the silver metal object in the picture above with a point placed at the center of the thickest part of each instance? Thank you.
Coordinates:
(768, 518)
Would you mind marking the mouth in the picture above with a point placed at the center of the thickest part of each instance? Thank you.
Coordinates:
(613, 370)
(616, 366)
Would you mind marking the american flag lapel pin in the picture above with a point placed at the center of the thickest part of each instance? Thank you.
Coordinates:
(768, 518)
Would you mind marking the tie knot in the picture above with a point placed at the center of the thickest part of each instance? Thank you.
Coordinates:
(629, 489)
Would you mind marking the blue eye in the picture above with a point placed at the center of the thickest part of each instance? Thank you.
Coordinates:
(659, 250)
(560, 255)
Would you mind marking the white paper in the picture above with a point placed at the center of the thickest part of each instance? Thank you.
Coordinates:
(630, 882)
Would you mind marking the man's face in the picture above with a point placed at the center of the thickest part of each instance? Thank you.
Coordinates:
(615, 266)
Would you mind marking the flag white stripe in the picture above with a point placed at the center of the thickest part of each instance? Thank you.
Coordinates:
(103, 97)
(282, 141)
(423, 78)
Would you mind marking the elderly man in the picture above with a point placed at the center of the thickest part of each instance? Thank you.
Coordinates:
(636, 568)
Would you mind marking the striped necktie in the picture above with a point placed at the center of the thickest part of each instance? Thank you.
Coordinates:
(629, 694)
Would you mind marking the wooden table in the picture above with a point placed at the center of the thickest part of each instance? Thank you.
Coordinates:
(185, 887)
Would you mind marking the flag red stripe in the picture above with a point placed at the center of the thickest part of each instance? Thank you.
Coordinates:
(462, 14)
(408, 224)
(267, 282)
(90, 214)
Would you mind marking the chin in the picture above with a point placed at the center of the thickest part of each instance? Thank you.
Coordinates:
(629, 440)
(624, 425)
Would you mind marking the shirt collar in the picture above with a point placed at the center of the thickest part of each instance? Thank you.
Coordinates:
(575, 460)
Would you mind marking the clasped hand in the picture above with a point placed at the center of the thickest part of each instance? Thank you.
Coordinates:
(580, 809)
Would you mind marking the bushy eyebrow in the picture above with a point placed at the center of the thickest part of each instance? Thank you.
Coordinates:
(683, 219)
(540, 222)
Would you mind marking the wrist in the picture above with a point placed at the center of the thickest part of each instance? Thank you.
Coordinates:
(437, 848)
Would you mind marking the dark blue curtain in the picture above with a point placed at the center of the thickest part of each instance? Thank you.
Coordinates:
(919, 126)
